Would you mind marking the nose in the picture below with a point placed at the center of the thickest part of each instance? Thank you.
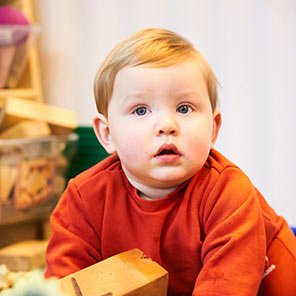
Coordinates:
(166, 125)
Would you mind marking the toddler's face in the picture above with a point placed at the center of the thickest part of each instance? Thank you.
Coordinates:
(161, 124)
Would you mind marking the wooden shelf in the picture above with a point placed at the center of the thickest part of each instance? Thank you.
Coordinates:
(26, 93)
(13, 216)
(29, 86)
(28, 225)
(23, 225)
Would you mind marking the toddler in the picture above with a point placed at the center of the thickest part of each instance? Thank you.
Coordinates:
(165, 189)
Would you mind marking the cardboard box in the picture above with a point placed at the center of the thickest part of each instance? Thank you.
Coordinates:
(129, 273)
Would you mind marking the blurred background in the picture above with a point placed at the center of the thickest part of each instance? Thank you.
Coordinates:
(250, 45)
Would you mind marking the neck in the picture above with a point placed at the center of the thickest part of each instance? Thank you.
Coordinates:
(151, 193)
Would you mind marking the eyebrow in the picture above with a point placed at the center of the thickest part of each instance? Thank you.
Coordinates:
(189, 93)
(141, 94)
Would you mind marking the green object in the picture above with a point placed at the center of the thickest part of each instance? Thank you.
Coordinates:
(88, 151)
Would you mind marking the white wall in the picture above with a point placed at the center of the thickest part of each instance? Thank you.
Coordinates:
(251, 45)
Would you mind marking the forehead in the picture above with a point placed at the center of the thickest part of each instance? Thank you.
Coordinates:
(147, 77)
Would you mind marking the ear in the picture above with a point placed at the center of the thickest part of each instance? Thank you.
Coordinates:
(217, 121)
(102, 131)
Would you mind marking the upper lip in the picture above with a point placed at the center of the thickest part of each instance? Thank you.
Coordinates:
(169, 148)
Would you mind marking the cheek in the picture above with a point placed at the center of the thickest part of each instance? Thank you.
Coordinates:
(199, 141)
(199, 131)
(130, 145)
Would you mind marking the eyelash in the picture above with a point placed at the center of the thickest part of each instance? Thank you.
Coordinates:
(138, 108)
(188, 106)
(144, 108)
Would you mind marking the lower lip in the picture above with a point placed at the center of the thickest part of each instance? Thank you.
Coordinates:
(168, 158)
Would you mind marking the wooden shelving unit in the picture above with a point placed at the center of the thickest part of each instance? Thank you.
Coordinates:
(26, 225)
(29, 85)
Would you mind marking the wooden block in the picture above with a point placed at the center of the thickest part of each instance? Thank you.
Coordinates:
(128, 273)
(8, 176)
(34, 183)
(24, 256)
(13, 110)
(46, 229)
(6, 58)
(26, 129)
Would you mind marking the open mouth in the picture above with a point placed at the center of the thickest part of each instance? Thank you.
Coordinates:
(168, 149)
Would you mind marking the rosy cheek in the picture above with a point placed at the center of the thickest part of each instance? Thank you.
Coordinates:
(130, 148)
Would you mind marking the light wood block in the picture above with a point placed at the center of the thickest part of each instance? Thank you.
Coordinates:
(8, 177)
(24, 256)
(26, 129)
(13, 110)
(128, 273)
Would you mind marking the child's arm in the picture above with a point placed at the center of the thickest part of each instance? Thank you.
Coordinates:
(234, 247)
(74, 243)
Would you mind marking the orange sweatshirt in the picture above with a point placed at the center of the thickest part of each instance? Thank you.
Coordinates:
(211, 234)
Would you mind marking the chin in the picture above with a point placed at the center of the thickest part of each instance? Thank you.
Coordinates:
(170, 182)
(172, 177)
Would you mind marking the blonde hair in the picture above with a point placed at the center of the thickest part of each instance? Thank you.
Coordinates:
(156, 47)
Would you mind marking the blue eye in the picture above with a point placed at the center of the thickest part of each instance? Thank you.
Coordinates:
(184, 109)
(141, 111)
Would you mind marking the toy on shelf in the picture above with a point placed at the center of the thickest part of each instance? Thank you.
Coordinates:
(16, 33)
(19, 59)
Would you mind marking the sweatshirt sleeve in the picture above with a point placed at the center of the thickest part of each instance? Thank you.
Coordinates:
(234, 246)
(74, 243)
